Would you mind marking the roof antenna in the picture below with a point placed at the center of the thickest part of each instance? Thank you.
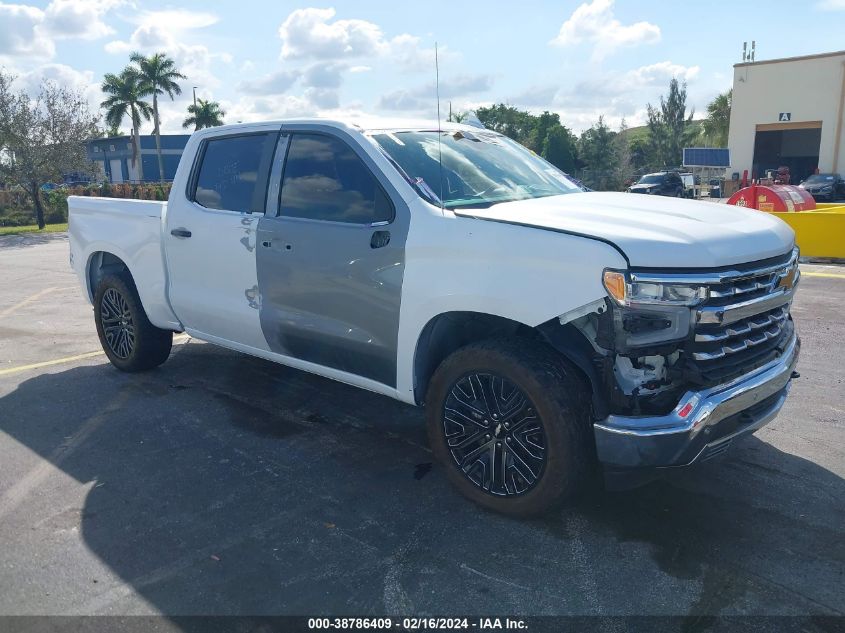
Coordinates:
(439, 131)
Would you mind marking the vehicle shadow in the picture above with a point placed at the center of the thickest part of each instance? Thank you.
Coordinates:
(30, 239)
(223, 484)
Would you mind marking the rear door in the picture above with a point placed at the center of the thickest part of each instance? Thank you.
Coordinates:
(332, 258)
(211, 237)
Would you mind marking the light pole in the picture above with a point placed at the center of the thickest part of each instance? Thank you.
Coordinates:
(195, 98)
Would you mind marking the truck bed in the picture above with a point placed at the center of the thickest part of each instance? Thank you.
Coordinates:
(132, 231)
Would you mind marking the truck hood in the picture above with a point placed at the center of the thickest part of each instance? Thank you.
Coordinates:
(653, 231)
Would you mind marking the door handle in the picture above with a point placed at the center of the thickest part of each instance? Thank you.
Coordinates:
(380, 239)
(180, 233)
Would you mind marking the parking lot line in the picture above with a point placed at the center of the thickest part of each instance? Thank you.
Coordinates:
(828, 275)
(47, 363)
(69, 359)
(26, 301)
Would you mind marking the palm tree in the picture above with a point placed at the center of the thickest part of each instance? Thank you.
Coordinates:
(158, 76)
(204, 114)
(719, 119)
(126, 97)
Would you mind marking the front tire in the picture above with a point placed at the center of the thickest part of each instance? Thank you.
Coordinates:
(128, 338)
(510, 423)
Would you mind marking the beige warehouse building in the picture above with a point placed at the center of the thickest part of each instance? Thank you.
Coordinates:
(788, 112)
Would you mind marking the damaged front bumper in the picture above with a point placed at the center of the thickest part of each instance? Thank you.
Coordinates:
(703, 424)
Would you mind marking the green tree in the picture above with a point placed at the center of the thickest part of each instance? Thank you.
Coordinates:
(158, 77)
(508, 120)
(204, 114)
(670, 127)
(622, 144)
(718, 119)
(126, 98)
(544, 134)
(42, 137)
(560, 148)
(598, 151)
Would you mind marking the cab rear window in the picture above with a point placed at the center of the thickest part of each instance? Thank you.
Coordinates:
(232, 173)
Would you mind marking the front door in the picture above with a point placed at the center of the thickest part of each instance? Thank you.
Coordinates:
(331, 262)
(211, 238)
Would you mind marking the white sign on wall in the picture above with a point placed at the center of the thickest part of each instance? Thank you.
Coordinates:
(785, 117)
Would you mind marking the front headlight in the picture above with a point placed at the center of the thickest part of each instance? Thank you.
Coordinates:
(626, 292)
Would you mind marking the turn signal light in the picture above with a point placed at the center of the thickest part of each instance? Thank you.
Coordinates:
(615, 284)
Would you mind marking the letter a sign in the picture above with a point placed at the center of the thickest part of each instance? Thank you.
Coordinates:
(785, 117)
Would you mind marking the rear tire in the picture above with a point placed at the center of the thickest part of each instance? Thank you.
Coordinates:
(128, 338)
(518, 461)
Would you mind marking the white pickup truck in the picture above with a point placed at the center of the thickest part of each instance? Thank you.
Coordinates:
(546, 330)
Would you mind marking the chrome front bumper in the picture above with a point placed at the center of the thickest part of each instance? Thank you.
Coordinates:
(703, 423)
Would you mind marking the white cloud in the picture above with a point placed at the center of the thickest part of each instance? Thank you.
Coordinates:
(21, 33)
(169, 31)
(322, 75)
(660, 73)
(78, 18)
(313, 33)
(831, 5)
(309, 33)
(593, 22)
(29, 32)
(322, 78)
(424, 98)
(82, 81)
(275, 83)
(613, 95)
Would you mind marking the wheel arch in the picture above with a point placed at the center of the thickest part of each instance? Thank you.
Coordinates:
(449, 331)
(99, 264)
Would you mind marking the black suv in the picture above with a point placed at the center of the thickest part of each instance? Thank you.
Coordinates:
(662, 183)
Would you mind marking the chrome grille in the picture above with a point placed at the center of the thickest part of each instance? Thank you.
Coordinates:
(741, 335)
(745, 321)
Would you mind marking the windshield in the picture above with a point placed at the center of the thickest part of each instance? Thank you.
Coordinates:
(819, 178)
(480, 168)
(650, 179)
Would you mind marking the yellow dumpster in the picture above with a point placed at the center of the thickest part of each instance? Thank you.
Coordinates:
(819, 233)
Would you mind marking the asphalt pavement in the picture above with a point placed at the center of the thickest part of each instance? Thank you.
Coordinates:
(224, 484)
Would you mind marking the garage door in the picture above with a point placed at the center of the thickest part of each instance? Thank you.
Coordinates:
(794, 145)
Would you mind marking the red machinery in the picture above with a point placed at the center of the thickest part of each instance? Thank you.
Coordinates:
(777, 198)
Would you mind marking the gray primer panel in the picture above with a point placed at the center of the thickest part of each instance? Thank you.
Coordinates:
(326, 296)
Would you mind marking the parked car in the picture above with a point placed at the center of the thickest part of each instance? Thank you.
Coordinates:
(690, 183)
(542, 328)
(663, 183)
(825, 186)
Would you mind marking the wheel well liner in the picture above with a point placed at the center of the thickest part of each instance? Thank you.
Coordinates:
(100, 264)
(449, 331)
(570, 342)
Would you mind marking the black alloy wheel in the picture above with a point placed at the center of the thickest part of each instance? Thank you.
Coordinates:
(128, 338)
(118, 326)
(494, 434)
(509, 421)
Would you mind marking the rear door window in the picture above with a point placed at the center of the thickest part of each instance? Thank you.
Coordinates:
(233, 172)
(324, 179)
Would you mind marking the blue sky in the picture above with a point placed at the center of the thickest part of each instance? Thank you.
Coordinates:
(266, 60)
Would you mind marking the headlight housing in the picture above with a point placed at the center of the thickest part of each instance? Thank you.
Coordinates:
(632, 293)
